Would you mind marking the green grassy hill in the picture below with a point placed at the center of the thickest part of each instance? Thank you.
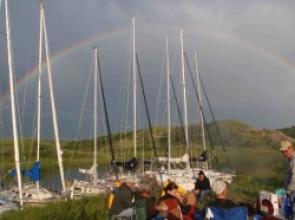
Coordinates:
(289, 131)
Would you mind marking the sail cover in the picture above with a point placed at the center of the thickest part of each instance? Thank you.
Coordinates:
(33, 173)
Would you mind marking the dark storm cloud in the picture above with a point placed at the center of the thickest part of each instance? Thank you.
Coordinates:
(245, 50)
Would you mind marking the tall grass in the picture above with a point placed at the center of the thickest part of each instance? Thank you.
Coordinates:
(86, 208)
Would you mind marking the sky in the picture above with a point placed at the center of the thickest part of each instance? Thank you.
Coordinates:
(245, 51)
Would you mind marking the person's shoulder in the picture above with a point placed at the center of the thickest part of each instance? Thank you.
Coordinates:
(123, 185)
(169, 200)
(167, 197)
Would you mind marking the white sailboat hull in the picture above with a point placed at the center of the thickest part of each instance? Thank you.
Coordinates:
(32, 194)
(86, 188)
(186, 178)
(6, 204)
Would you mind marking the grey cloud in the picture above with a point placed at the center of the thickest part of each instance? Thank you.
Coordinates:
(245, 51)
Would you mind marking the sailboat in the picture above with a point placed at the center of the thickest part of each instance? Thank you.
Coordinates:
(95, 185)
(135, 168)
(185, 157)
(33, 192)
(204, 160)
(132, 164)
(184, 177)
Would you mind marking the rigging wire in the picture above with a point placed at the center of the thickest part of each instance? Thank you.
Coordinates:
(181, 120)
(83, 109)
(159, 101)
(125, 119)
(106, 115)
(148, 118)
(201, 107)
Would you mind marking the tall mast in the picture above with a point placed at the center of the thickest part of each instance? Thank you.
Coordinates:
(201, 103)
(54, 116)
(184, 95)
(95, 57)
(13, 110)
(168, 104)
(134, 87)
(39, 88)
(39, 84)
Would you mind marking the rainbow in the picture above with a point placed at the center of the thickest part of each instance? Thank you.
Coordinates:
(32, 72)
(29, 75)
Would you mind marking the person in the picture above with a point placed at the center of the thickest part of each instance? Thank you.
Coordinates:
(188, 208)
(222, 207)
(122, 204)
(288, 151)
(142, 195)
(172, 200)
(202, 185)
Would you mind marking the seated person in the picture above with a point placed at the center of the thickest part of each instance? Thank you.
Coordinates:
(222, 207)
(188, 208)
(142, 196)
(172, 201)
(202, 185)
(123, 199)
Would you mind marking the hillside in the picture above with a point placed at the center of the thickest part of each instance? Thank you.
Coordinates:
(289, 131)
(236, 133)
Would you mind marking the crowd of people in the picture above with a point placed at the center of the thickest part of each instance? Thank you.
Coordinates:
(132, 200)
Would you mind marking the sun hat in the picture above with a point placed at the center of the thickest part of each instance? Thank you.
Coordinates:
(285, 145)
(218, 187)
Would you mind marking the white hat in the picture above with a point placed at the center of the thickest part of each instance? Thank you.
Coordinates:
(218, 187)
(285, 145)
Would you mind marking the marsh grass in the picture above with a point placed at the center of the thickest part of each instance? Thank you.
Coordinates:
(86, 208)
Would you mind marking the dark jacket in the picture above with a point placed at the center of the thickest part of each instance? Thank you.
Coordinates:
(222, 203)
(202, 185)
(123, 197)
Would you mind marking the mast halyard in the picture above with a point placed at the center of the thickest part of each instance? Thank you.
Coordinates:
(184, 98)
(13, 110)
(168, 104)
(201, 104)
(134, 71)
(95, 56)
(54, 116)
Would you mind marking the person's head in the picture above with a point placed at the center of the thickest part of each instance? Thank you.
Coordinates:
(144, 190)
(287, 149)
(219, 187)
(201, 175)
(171, 188)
